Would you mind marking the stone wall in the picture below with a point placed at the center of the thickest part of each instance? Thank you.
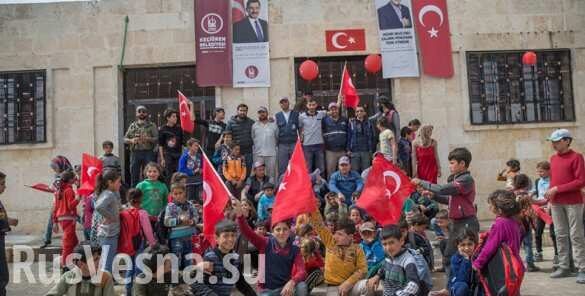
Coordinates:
(79, 44)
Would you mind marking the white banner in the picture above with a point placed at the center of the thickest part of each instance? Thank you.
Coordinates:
(251, 61)
(397, 41)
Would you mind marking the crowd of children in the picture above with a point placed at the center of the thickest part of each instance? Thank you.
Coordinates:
(338, 245)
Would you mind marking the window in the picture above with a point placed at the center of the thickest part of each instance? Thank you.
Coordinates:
(325, 87)
(22, 107)
(504, 91)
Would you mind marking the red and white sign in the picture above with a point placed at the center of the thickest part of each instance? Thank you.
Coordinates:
(432, 26)
(345, 40)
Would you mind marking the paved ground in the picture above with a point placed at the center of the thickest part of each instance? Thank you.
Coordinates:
(535, 284)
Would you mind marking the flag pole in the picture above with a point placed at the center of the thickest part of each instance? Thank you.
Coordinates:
(339, 101)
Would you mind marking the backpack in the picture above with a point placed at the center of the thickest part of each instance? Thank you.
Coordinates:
(131, 236)
(503, 274)
(426, 250)
(422, 269)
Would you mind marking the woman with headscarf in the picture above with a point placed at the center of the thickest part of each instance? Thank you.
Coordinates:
(425, 157)
(59, 164)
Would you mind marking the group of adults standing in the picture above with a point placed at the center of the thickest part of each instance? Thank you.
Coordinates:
(326, 136)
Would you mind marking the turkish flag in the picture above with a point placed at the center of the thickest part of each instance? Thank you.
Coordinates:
(351, 98)
(295, 193)
(238, 10)
(91, 167)
(41, 187)
(187, 123)
(345, 40)
(215, 198)
(432, 26)
(385, 191)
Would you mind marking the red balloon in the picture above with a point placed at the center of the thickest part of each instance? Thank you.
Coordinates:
(373, 63)
(309, 70)
(529, 58)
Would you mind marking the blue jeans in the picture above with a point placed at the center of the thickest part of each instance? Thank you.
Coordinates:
(301, 289)
(49, 230)
(138, 160)
(181, 247)
(527, 244)
(315, 158)
(109, 250)
(132, 272)
(459, 289)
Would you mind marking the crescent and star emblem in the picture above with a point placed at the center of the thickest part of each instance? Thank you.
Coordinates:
(433, 33)
(396, 178)
(208, 194)
(282, 185)
(92, 171)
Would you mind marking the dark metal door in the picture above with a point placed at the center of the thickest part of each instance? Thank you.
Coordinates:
(156, 89)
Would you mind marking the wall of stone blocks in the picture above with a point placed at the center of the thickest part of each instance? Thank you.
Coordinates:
(79, 44)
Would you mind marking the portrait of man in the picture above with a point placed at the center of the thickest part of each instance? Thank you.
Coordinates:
(251, 28)
(394, 15)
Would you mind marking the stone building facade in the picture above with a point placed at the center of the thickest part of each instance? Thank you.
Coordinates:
(79, 46)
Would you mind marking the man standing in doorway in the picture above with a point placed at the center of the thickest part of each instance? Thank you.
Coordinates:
(288, 127)
(215, 128)
(312, 136)
(335, 137)
(141, 137)
(241, 127)
(265, 137)
(567, 179)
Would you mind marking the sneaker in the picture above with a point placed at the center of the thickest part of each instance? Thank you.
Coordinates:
(45, 244)
(538, 257)
(560, 273)
(532, 268)
(556, 260)
(581, 277)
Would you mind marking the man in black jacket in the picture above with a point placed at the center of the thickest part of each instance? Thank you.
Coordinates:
(241, 128)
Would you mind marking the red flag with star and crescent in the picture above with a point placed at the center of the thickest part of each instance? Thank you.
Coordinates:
(187, 123)
(432, 26)
(238, 10)
(351, 99)
(386, 189)
(295, 194)
(91, 166)
(215, 198)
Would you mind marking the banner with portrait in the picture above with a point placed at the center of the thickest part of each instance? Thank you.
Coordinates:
(251, 61)
(397, 41)
(212, 43)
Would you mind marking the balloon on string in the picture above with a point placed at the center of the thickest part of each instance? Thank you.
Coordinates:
(309, 70)
(529, 58)
(373, 63)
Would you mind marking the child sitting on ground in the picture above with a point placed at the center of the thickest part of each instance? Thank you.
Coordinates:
(313, 263)
(461, 275)
(217, 277)
(440, 225)
(417, 239)
(234, 170)
(265, 201)
(93, 282)
(371, 245)
(345, 262)
(398, 271)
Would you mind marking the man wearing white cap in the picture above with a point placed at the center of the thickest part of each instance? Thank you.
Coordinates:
(564, 194)
(346, 181)
(265, 138)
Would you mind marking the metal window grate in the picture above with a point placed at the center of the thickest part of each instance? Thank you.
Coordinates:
(22, 107)
(504, 91)
(325, 87)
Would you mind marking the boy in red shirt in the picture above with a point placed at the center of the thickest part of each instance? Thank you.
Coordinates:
(564, 193)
